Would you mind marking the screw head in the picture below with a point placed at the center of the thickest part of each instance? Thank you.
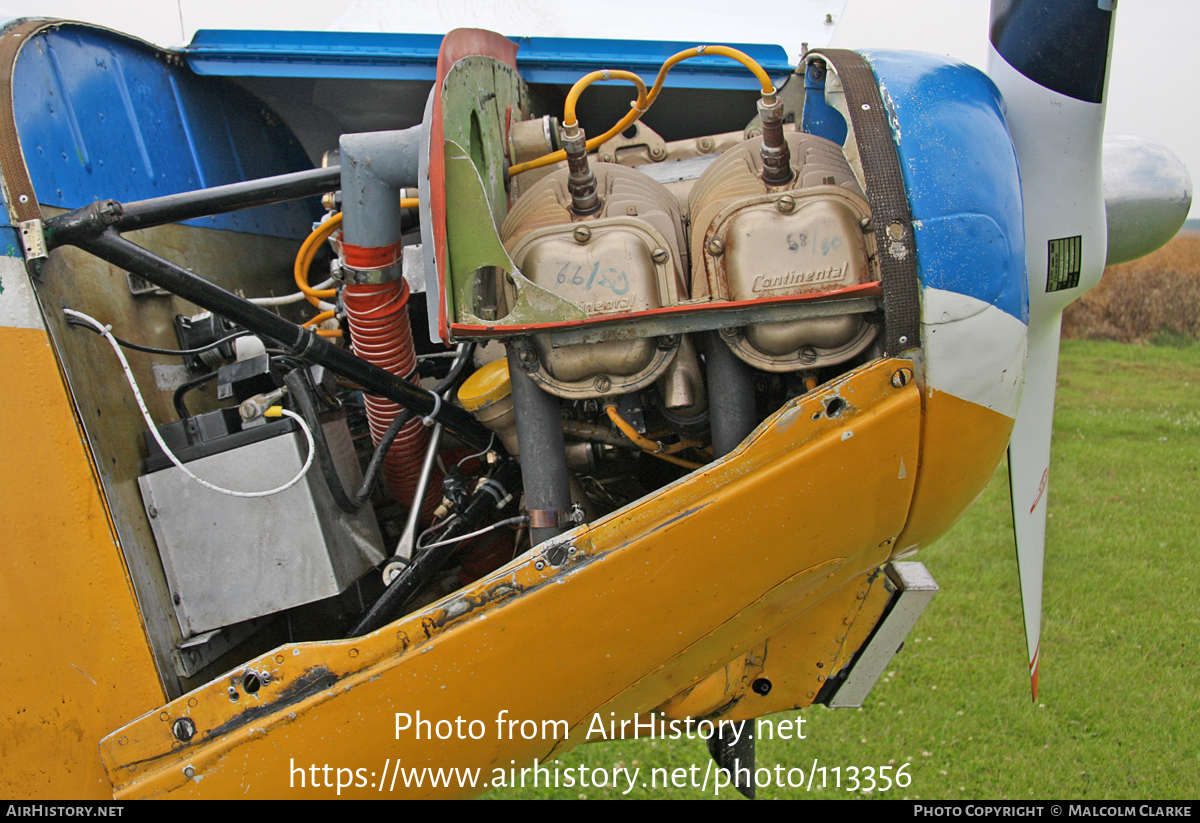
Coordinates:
(660, 256)
(582, 234)
(658, 152)
(808, 355)
(867, 225)
(705, 144)
(895, 231)
(602, 384)
(184, 729)
(761, 686)
(715, 247)
(539, 564)
(189, 772)
(901, 377)
(786, 204)
(153, 512)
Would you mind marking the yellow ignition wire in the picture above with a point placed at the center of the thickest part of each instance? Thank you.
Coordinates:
(652, 446)
(320, 318)
(643, 104)
(308, 251)
(638, 108)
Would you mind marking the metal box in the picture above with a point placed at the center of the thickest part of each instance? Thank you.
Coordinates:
(229, 559)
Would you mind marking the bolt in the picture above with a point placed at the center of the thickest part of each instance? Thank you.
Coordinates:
(895, 231)
(582, 234)
(867, 225)
(184, 729)
(730, 333)
(706, 144)
(660, 256)
(606, 158)
(715, 247)
(900, 378)
(668, 342)
(602, 384)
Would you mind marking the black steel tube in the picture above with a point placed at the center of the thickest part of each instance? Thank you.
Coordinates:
(301, 342)
(172, 208)
(391, 603)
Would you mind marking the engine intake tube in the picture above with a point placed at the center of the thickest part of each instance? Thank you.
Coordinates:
(377, 314)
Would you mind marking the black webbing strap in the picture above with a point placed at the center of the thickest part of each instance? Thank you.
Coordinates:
(18, 189)
(888, 198)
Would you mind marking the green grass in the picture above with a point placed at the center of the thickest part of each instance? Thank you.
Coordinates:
(1119, 703)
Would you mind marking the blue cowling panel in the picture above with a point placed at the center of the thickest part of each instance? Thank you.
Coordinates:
(961, 172)
(102, 116)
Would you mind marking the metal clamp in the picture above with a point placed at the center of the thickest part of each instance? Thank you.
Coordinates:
(555, 518)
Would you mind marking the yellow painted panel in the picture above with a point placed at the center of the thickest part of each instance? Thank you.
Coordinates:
(75, 662)
(961, 445)
(623, 613)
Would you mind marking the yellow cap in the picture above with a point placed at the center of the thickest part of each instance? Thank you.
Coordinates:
(486, 386)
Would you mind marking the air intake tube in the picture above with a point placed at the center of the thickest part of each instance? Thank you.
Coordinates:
(375, 166)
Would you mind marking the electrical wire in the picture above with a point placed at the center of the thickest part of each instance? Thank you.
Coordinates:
(511, 521)
(287, 300)
(97, 326)
(150, 349)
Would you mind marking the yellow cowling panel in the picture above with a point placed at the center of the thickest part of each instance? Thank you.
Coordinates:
(76, 661)
(961, 445)
(616, 616)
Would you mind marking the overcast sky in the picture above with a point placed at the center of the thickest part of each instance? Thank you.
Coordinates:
(1152, 91)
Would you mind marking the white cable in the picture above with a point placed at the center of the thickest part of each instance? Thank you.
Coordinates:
(512, 521)
(104, 330)
(299, 296)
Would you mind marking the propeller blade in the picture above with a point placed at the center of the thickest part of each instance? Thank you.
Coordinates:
(1029, 474)
(1050, 62)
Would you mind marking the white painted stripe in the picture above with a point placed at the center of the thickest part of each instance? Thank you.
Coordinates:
(973, 350)
(18, 306)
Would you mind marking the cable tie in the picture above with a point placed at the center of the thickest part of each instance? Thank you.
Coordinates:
(431, 418)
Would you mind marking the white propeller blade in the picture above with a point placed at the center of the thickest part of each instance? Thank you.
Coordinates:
(1055, 112)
